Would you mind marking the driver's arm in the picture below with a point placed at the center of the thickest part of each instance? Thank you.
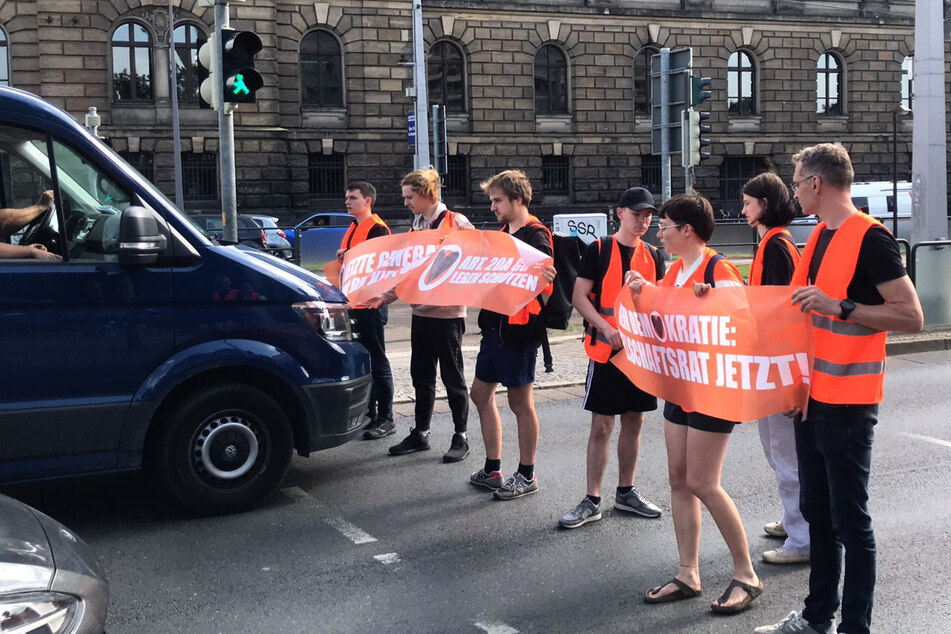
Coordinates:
(12, 220)
(34, 251)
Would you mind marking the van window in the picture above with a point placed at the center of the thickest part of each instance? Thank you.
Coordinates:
(24, 176)
(861, 203)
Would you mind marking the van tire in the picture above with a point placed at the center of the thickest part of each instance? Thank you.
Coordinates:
(246, 456)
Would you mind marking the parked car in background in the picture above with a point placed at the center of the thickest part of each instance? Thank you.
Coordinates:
(50, 580)
(275, 239)
(249, 233)
(875, 199)
(320, 237)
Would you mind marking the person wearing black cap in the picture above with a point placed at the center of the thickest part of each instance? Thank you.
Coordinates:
(608, 391)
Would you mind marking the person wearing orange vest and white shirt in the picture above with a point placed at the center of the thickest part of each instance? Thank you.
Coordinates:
(608, 392)
(854, 283)
(366, 225)
(509, 348)
(769, 209)
(696, 443)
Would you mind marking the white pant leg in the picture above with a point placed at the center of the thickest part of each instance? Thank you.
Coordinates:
(778, 436)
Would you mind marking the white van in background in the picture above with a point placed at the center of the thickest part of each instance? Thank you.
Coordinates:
(875, 199)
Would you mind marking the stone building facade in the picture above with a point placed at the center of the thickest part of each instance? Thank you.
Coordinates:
(556, 88)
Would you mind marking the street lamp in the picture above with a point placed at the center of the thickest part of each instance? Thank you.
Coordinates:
(896, 112)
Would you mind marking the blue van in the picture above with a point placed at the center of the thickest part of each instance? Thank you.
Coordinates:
(150, 345)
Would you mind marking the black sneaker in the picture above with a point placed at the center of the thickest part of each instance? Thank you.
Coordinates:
(380, 429)
(458, 449)
(412, 443)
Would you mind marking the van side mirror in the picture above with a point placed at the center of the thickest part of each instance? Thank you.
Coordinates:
(141, 241)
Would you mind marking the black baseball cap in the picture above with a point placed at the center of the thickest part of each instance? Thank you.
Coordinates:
(637, 198)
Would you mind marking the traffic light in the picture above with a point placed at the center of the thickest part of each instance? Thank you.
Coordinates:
(700, 90)
(239, 81)
(694, 128)
(209, 86)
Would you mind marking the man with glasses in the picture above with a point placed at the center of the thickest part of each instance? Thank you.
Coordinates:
(608, 392)
(852, 280)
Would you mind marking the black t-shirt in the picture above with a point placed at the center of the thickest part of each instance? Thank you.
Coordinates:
(879, 261)
(590, 267)
(778, 265)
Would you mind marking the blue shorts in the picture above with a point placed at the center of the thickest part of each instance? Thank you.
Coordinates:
(512, 367)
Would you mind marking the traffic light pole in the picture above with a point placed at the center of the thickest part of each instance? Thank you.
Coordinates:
(176, 128)
(229, 198)
(421, 159)
(665, 123)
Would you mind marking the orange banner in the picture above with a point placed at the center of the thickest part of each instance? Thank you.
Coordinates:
(484, 269)
(738, 353)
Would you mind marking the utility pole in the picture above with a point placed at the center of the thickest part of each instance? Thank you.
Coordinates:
(665, 123)
(421, 159)
(176, 129)
(229, 198)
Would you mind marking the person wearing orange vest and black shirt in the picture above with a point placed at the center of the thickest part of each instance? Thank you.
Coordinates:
(366, 225)
(696, 443)
(608, 391)
(769, 209)
(509, 348)
(854, 284)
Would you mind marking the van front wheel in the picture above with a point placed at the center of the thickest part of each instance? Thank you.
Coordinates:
(223, 448)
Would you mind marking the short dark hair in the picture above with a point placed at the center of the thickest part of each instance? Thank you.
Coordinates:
(690, 209)
(829, 161)
(366, 189)
(770, 189)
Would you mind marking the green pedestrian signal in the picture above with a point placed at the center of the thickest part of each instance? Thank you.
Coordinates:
(239, 80)
(239, 85)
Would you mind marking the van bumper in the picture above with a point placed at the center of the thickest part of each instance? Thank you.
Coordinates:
(334, 413)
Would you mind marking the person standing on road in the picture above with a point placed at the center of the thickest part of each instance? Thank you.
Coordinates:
(436, 331)
(855, 285)
(366, 225)
(769, 209)
(696, 443)
(509, 348)
(608, 391)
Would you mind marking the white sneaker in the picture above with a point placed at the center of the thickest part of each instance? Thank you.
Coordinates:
(783, 555)
(792, 624)
(775, 529)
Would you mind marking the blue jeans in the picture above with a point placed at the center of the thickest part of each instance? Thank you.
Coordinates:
(835, 451)
(370, 325)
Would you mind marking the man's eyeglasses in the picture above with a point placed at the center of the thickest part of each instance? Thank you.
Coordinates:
(796, 184)
(662, 228)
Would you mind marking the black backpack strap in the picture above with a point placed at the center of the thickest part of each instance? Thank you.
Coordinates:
(708, 272)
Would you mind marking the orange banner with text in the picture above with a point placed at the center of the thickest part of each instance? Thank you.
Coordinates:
(485, 269)
(737, 353)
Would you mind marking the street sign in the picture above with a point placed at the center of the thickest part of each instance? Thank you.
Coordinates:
(411, 128)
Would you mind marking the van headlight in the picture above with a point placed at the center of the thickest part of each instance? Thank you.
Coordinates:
(331, 321)
(39, 613)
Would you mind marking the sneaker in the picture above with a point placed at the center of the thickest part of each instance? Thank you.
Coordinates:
(775, 529)
(488, 480)
(586, 511)
(784, 556)
(458, 449)
(634, 503)
(792, 624)
(516, 486)
(379, 429)
(412, 443)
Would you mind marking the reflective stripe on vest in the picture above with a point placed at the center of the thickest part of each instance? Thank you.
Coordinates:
(849, 364)
(533, 307)
(596, 344)
(357, 234)
(756, 268)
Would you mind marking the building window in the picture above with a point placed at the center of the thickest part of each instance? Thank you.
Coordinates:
(651, 175)
(321, 70)
(326, 174)
(4, 60)
(456, 183)
(642, 81)
(200, 176)
(828, 85)
(446, 74)
(551, 81)
(188, 39)
(556, 175)
(132, 63)
(907, 81)
(734, 172)
(741, 84)
(141, 161)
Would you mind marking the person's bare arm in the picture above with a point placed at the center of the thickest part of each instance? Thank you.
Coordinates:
(901, 311)
(34, 251)
(12, 220)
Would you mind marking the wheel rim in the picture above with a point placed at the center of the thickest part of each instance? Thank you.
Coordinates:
(226, 447)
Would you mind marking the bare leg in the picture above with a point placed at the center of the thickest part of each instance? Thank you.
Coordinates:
(599, 445)
(522, 402)
(483, 397)
(628, 447)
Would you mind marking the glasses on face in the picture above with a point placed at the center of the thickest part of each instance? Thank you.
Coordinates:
(663, 228)
(797, 184)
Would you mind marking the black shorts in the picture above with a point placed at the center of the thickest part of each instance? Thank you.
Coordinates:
(696, 420)
(609, 392)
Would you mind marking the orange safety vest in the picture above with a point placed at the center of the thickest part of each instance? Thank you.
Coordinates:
(533, 307)
(670, 278)
(849, 363)
(357, 233)
(756, 269)
(642, 260)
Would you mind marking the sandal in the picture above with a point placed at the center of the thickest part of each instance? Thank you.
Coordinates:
(682, 592)
(751, 593)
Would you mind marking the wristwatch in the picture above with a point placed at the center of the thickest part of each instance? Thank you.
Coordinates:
(847, 306)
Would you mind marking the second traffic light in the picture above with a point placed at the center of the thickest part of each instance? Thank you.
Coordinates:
(694, 141)
(700, 90)
(239, 80)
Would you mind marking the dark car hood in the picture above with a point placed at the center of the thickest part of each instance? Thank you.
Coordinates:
(294, 277)
(26, 561)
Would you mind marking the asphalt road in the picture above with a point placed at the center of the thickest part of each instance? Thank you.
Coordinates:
(358, 541)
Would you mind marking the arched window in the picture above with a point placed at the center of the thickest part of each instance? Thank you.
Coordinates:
(642, 80)
(907, 81)
(188, 39)
(829, 85)
(741, 84)
(4, 60)
(321, 70)
(551, 81)
(446, 75)
(132, 63)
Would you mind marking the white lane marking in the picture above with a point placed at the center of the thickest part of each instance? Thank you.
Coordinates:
(387, 558)
(936, 441)
(496, 628)
(354, 533)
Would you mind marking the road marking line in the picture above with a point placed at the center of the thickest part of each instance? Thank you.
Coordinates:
(936, 441)
(387, 558)
(496, 628)
(354, 533)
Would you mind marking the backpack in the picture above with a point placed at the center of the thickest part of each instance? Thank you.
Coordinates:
(567, 256)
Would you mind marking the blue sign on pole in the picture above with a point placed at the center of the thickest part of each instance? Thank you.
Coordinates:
(411, 128)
